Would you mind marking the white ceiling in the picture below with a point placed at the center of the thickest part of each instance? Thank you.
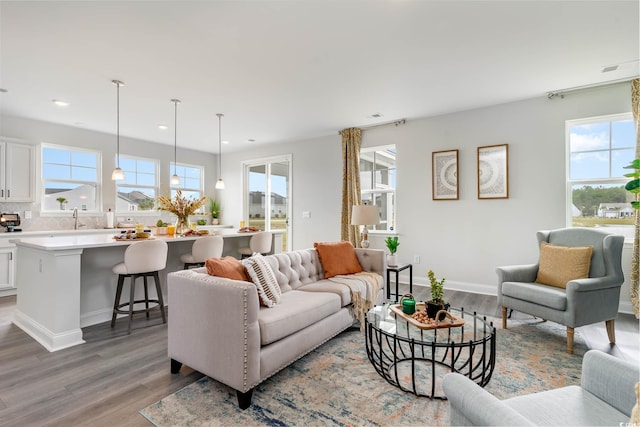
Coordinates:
(293, 70)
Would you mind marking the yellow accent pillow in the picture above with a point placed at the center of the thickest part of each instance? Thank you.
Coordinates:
(338, 258)
(561, 264)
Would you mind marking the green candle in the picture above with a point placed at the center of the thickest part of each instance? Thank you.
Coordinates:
(408, 305)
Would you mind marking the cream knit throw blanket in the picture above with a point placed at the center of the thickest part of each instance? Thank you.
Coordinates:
(364, 292)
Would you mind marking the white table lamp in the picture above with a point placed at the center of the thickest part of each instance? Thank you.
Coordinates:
(365, 215)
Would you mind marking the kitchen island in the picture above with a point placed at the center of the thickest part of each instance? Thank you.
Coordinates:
(66, 282)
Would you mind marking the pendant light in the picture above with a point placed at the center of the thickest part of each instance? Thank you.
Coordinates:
(220, 182)
(175, 179)
(117, 174)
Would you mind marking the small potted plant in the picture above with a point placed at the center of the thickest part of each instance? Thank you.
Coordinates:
(392, 244)
(437, 296)
(214, 207)
(161, 227)
(62, 202)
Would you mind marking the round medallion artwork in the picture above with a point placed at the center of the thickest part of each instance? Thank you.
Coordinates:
(488, 174)
(448, 175)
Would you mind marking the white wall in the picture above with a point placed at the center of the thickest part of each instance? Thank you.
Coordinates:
(462, 240)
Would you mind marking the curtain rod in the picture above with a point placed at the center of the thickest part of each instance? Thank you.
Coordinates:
(561, 92)
(394, 122)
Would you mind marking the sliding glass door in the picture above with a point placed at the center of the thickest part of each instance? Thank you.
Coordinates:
(267, 189)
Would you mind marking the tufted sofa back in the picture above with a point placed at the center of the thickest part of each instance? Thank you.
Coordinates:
(296, 268)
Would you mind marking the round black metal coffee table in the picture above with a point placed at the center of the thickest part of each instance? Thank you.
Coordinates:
(415, 360)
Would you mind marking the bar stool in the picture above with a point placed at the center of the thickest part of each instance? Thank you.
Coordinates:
(259, 242)
(141, 259)
(203, 248)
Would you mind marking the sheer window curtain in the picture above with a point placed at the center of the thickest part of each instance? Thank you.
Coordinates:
(351, 143)
(635, 258)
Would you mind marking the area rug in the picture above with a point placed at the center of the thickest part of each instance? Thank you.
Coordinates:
(336, 385)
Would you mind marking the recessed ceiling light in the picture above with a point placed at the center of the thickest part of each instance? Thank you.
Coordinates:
(225, 142)
(609, 68)
(251, 140)
(60, 103)
(375, 116)
(3, 90)
(163, 127)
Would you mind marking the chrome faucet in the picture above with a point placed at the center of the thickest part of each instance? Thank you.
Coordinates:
(75, 217)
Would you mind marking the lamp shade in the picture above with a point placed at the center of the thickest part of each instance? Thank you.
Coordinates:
(365, 215)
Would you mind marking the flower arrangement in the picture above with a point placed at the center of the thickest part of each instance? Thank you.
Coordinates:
(181, 207)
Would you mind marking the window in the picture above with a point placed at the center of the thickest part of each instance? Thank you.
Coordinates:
(191, 181)
(598, 150)
(70, 178)
(137, 192)
(378, 182)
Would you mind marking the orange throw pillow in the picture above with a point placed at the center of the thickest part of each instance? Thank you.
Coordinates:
(338, 258)
(227, 267)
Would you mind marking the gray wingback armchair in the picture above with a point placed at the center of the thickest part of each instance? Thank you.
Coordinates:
(584, 301)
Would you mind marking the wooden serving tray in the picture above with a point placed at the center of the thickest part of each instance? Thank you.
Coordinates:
(451, 321)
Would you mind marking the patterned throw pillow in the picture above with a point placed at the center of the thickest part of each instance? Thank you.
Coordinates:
(264, 279)
(561, 264)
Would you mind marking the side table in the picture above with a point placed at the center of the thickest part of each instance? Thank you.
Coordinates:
(397, 269)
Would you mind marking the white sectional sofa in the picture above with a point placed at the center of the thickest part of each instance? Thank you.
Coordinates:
(218, 327)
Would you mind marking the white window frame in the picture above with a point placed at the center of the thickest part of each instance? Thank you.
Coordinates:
(183, 188)
(97, 183)
(383, 189)
(590, 181)
(131, 208)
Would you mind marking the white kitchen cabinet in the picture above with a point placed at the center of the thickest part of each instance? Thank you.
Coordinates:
(7, 268)
(17, 172)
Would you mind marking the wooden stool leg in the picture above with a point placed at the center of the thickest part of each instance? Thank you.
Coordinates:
(146, 296)
(611, 330)
(117, 301)
(132, 299)
(504, 317)
(156, 278)
(570, 332)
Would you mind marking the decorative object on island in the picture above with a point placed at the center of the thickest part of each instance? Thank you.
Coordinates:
(365, 215)
(175, 179)
(392, 244)
(62, 202)
(214, 207)
(408, 304)
(437, 296)
(220, 182)
(117, 174)
(181, 207)
(161, 227)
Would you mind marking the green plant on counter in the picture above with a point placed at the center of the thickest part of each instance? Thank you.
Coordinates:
(62, 201)
(161, 223)
(392, 244)
(214, 208)
(202, 222)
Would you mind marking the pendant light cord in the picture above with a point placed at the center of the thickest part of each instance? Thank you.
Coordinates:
(117, 122)
(175, 135)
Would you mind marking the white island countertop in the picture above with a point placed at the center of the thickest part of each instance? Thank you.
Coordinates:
(83, 241)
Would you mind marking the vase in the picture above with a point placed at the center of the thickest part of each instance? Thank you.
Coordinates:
(392, 260)
(182, 224)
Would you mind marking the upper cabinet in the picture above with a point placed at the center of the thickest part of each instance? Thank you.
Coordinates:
(17, 172)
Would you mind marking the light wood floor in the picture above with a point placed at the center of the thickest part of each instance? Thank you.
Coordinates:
(106, 381)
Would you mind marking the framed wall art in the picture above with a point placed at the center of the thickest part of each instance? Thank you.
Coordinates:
(493, 172)
(445, 175)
